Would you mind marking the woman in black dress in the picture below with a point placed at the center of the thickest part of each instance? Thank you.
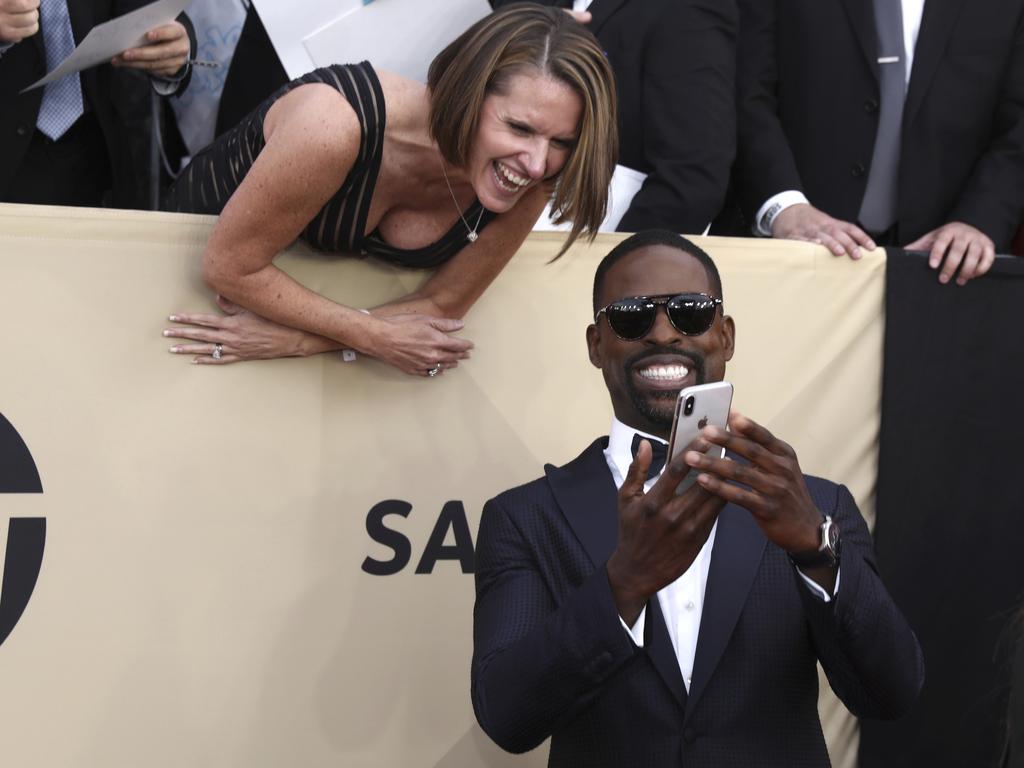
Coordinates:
(450, 175)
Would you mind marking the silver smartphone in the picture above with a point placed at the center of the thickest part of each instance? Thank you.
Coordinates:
(698, 407)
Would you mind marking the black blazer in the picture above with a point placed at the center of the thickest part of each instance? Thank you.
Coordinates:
(808, 111)
(25, 62)
(551, 657)
(674, 64)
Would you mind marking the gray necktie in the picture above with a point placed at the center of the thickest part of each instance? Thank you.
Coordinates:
(878, 208)
(62, 99)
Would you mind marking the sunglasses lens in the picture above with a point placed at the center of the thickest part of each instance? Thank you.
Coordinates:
(692, 314)
(631, 318)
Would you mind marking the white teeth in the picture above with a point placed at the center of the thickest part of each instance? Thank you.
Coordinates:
(513, 179)
(664, 372)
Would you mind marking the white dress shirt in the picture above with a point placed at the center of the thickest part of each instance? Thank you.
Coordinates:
(682, 601)
(913, 10)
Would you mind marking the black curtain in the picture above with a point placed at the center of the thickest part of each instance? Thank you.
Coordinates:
(950, 522)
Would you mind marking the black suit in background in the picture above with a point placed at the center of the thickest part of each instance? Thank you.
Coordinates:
(551, 657)
(92, 154)
(674, 64)
(808, 111)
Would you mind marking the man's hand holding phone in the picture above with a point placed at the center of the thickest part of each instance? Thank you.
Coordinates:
(660, 532)
(770, 485)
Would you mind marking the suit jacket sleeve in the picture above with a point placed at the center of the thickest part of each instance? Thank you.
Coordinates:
(993, 199)
(536, 664)
(870, 655)
(688, 126)
(765, 164)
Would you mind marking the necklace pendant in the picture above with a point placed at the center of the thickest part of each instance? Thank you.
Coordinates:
(472, 236)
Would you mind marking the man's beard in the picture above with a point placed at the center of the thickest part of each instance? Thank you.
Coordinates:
(659, 408)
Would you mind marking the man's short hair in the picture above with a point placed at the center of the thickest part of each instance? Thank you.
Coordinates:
(654, 237)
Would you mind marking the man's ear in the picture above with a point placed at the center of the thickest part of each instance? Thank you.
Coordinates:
(728, 332)
(594, 345)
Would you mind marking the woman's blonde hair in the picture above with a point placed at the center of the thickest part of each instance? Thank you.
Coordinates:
(516, 39)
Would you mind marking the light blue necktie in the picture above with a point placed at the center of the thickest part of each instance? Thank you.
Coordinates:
(62, 99)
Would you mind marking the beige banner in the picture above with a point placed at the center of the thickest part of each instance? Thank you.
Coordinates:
(202, 599)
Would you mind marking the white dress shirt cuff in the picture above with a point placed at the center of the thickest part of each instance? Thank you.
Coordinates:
(772, 207)
(637, 630)
(817, 589)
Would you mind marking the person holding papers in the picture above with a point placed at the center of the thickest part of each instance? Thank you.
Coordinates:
(450, 176)
(61, 143)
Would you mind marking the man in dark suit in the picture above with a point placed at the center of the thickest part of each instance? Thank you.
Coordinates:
(642, 628)
(74, 164)
(926, 127)
(674, 65)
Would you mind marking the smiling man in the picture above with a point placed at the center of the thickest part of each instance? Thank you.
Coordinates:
(636, 627)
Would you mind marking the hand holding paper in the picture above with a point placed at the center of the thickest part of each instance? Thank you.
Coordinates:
(133, 31)
(163, 55)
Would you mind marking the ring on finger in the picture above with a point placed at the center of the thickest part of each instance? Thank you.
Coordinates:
(218, 351)
(434, 371)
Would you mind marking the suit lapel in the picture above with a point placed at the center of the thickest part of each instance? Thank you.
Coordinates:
(602, 10)
(662, 654)
(586, 494)
(937, 25)
(862, 19)
(735, 560)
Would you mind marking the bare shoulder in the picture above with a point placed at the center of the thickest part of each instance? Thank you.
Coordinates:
(407, 101)
(316, 117)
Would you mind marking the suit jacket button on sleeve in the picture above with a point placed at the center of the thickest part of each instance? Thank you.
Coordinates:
(871, 106)
(857, 170)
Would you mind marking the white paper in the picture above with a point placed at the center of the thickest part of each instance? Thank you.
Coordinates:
(626, 182)
(106, 40)
(289, 22)
(400, 36)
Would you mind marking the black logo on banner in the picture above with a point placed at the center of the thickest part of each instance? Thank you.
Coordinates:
(452, 518)
(26, 536)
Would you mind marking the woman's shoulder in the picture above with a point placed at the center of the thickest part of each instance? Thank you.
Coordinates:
(408, 101)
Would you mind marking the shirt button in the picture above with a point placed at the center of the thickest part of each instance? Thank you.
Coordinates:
(690, 606)
(857, 170)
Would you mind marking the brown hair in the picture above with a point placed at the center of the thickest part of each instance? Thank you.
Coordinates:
(523, 36)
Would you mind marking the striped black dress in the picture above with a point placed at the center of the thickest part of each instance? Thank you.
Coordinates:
(216, 171)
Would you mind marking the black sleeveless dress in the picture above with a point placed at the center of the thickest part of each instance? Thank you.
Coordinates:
(215, 173)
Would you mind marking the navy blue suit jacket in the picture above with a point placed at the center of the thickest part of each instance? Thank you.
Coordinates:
(551, 657)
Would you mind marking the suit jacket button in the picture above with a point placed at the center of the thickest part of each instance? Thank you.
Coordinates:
(689, 735)
(871, 106)
(857, 170)
(22, 129)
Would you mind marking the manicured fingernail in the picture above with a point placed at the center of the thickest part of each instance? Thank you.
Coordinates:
(943, 278)
(871, 245)
(167, 333)
(175, 348)
(173, 318)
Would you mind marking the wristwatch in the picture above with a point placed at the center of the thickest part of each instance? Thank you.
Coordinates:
(827, 554)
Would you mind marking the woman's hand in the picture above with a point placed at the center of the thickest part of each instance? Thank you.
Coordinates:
(418, 344)
(240, 335)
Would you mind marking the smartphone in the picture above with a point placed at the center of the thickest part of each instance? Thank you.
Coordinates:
(697, 407)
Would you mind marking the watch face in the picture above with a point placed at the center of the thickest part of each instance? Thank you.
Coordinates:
(832, 538)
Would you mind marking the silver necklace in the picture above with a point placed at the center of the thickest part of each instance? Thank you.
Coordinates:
(471, 234)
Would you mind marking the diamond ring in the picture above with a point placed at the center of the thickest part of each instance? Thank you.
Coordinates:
(218, 351)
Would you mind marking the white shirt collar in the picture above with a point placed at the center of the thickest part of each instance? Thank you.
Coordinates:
(620, 446)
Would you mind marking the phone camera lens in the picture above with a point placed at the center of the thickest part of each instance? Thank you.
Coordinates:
(688, 406)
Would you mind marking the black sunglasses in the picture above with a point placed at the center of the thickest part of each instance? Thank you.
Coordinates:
(632, 318)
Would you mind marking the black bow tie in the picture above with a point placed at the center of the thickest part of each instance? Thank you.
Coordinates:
(659, 451)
